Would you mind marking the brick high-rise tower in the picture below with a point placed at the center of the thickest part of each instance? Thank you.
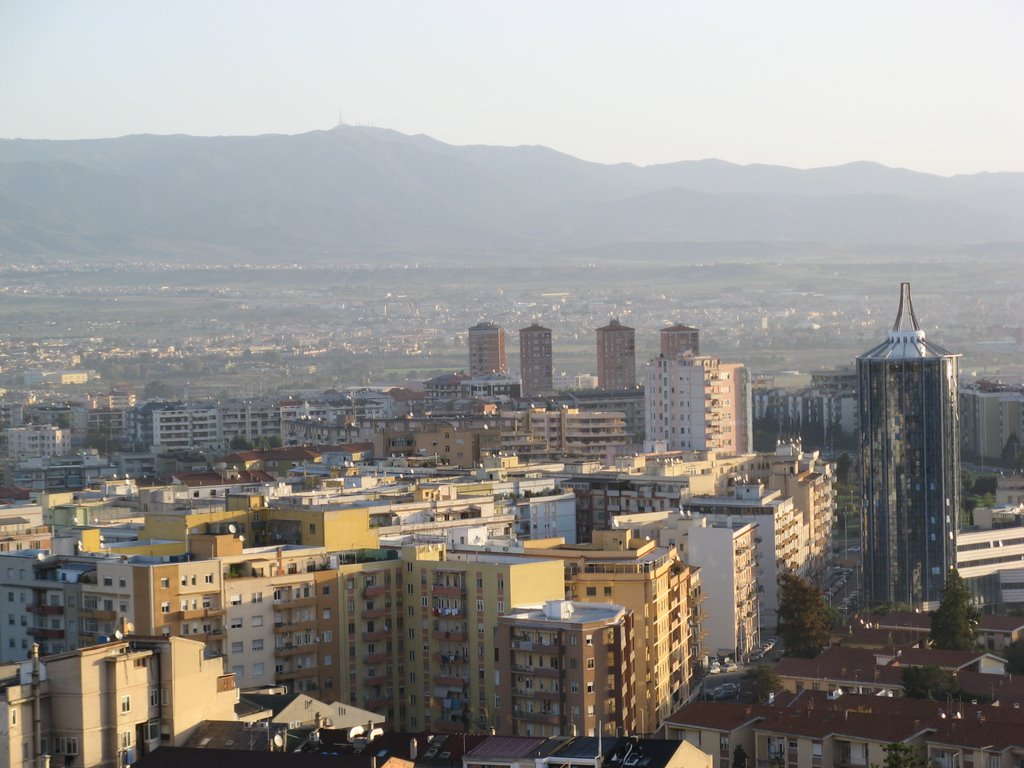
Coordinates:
(487, 349)
(616, 356)
(535, 364)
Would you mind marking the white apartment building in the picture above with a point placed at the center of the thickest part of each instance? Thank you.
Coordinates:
(697, 404)
(37, 440)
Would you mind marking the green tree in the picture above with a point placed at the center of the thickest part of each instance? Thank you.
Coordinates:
(928, 682)
(899, 755)
(763, 683)
(1014, 654)
(955, 623)
(156, 390)
(843, 466)
(739, 757)
(803, 616)
(240, 443)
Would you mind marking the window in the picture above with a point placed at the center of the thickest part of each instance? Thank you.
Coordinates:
(328, 660)
(257, 669)
(208, 578)
(126, 739)
(256, 621)
(326, 614)
(325, 590)
(591, 591)
(126, 703)
(236, 647)
(236, 623)
(154, 697)
(257, 597)
(257, 644)
(236, 599)
(607, 591)
(165, 583)
(328, 636)
(590, 664)
(122, 583)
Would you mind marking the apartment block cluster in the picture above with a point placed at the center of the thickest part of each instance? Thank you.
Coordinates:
(511, 595)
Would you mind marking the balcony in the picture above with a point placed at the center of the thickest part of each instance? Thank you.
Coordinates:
(453, 635)
(95, 613)
(381, 634)
(42, 609)
(537, 671)
(377, 658)
(377, 680)
(291, 650)
(46, 633)
(448, 726)
(376, 613)
(296, 673)
(444, 590)
(547, 718)
(451, 680)
(376, 590)
(376, 701)
(535, 693)
(451, 658)
(281, 627)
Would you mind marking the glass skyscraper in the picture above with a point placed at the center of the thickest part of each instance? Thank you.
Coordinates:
(910, 464)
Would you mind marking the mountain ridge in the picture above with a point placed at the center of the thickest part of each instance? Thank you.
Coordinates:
(351, 188)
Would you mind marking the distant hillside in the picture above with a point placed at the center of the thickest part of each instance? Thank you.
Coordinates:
(328, 194)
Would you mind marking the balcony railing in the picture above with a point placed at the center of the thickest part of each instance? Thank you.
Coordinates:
(42, 609)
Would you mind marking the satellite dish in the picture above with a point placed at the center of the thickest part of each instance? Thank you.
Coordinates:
(129, 627)
(278, 741)
(119, 634)
(242, 539)
(232, 528)
(40, 556)
(78, 546)
(102, 537)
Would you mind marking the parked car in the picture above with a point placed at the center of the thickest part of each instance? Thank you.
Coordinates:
(726, 691)
(730, 666)
(715, 668)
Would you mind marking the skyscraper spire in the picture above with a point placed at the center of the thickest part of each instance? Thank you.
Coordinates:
(905, 311)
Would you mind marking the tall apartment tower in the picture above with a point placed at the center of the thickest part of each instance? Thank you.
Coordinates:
(487, 349)
(678, 340)
(535, 365)
(697, 404)
(616, 356)
(910, 463)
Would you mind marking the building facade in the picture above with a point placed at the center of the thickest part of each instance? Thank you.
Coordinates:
(910, 463)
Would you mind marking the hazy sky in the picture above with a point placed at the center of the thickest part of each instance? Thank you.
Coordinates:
(931, 85)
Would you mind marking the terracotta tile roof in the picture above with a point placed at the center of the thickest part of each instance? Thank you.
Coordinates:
(718, 716)
(1001, 623)
(951, 660)
(900, 620)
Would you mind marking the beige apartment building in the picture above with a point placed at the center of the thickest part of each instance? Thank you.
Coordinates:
(419, 631)
(566, 667)
(543, 433)
(654, 584)
(109, 704)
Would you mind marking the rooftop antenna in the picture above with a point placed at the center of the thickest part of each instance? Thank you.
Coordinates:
(906, 309)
